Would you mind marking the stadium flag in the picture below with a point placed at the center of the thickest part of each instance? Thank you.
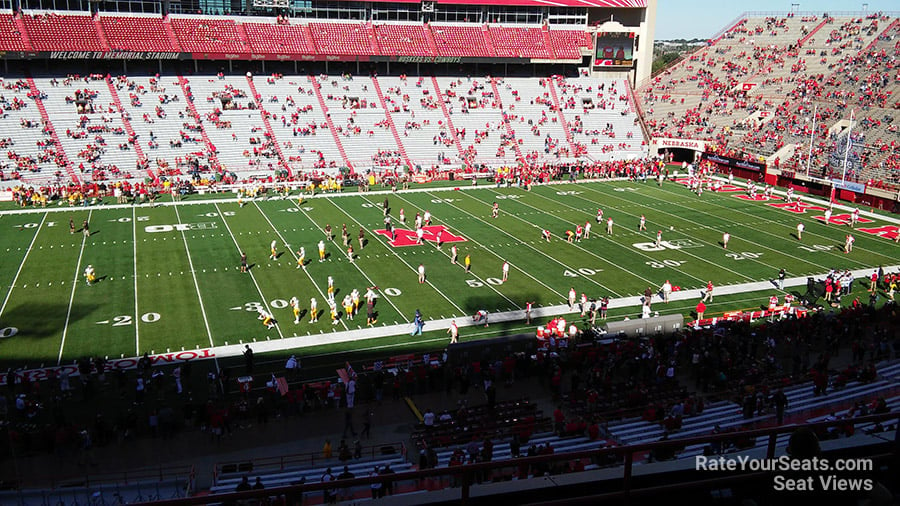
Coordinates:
(282, 385)
(342, 373)
(350, 371)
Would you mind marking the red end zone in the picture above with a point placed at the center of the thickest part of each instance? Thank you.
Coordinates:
(404, 237)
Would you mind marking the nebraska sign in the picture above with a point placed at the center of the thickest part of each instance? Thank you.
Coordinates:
(681, 143)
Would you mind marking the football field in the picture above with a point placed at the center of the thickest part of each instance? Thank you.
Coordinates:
(168, 277)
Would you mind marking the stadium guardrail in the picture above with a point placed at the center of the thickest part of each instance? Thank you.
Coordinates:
(461, 478)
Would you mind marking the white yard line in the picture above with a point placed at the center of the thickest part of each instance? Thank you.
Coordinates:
(187, 252)
(568, 267)
(137, 316)
(792, 228)
(702, 260)
(62, 343)
(415, 271)
(578, 245)
(471, 273)
(334, 241)
(22, 264)
(249, 271)
(294, 256)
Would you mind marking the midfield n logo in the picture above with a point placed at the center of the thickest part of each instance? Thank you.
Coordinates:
(404, 237)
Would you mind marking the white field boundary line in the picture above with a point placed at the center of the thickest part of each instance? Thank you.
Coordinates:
(427, 282)
(577, 245)
(298, 343)
(294, 256)
(565, 267)
(361, 271)
(137, 315)
(463, 187)
(62, 343)
(232, 200)
(810, 219)
(480, 279)
(22, 264)
(249, 271)
(187, 251)
(715, 246)
(702, 260)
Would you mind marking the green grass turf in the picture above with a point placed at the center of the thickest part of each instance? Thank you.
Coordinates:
(171, 290)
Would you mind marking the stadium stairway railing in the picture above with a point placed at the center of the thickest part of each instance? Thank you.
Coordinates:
(638, 110)
(127, 124)
(23, 31)
(545, 31)
(189, 97)
(429, 37)
(509, 129)
(36, 96)
(551, 85)
(101, 34)
(812, 32)
(488, 43)
(265, 119)
(170, 33)
(390, 121)
(442, 100)
(337, 139)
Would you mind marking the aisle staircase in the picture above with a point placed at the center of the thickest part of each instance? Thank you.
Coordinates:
(127, 124)
(35, 95)
(509, 128)
(387, 115)
(210, 148)
(101, 34)
(440, 98)
(265, 117)
(337, 139)
(562, 118)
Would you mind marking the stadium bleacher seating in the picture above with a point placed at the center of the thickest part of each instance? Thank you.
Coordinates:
(137, 33)
(210, 35)
(10, 36)
(62, 32)
(519, 41)
(278, 38)
(460, 40)
(404, 39)
(343, 38)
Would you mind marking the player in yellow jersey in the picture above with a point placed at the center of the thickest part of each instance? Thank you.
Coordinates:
(332, 307)
(354, 296)
(273, 256)
(313, 310)
(330, 287)
(90, 275)
(348, 307)
(301, 257)
(295, 308)
(321, 251)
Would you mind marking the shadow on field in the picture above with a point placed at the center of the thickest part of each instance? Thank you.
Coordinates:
(39, 327)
